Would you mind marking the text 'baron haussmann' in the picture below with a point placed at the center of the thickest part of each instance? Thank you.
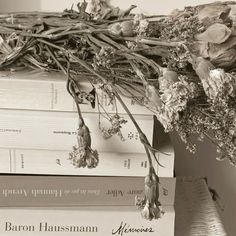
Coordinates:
(45, 227)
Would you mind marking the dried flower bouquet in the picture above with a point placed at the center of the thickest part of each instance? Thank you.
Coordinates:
(180, 66)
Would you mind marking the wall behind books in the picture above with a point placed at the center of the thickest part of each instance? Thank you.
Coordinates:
(19, 5)
(221, 176)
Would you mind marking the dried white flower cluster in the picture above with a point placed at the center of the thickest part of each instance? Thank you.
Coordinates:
(116, 124)
(221, 85)
(174, 95)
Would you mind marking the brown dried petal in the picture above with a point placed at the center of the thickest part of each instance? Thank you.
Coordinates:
(216, 33)
(225, 59)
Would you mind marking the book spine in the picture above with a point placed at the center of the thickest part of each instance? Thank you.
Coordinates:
(58, 130)
(52, 162)
(43, 191)
(20, 93)
(95, 221)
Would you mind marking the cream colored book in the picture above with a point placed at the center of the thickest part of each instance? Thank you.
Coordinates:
(94, 221)
(58, 130)
(47, 91)
(56, 162)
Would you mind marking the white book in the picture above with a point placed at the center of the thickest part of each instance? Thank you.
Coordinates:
(47, 91)
(55, 162)
(94, 221)
(58, 130)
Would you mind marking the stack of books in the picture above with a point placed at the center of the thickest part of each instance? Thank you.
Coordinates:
(43, 192)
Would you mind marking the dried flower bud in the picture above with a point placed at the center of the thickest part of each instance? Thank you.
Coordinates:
(83, 135)
(152, 188)
(125, 28)
(150, 205)
(82, 155)
(168, 78)
(152, 97)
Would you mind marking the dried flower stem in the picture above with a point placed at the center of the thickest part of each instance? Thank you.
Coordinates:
(155, 42)
(143, 138)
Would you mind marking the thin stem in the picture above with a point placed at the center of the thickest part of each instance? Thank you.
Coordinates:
(215, 143)
(51, 53)
(55, 36)
(142, 136)
(154, 42)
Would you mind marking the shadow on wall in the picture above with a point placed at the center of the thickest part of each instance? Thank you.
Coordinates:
(221, 176)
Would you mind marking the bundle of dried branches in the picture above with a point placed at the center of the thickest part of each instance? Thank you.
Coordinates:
(182, 66)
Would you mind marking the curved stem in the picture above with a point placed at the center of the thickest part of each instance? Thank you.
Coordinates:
(142, 136)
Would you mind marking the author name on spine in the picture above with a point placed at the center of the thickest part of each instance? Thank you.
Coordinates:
(45, 227)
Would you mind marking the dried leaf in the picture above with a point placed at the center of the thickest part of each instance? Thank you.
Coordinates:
(4, 47)
(225, 59)
(153, 97)
(216, 33)
(202, 67)
(233, 18)
(217, 52)
(232, 14)
(212, 13)
(199, 49)
(101, 9)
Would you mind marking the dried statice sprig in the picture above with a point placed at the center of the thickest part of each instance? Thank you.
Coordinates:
(116, 124)
(200, 122)
(221, 86)
(175, 93)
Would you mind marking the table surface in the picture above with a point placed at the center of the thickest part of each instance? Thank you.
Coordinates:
(196, 212)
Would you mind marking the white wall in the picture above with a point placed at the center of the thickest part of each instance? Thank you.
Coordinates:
(19, 5)
(145, 6)
(221, 176)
